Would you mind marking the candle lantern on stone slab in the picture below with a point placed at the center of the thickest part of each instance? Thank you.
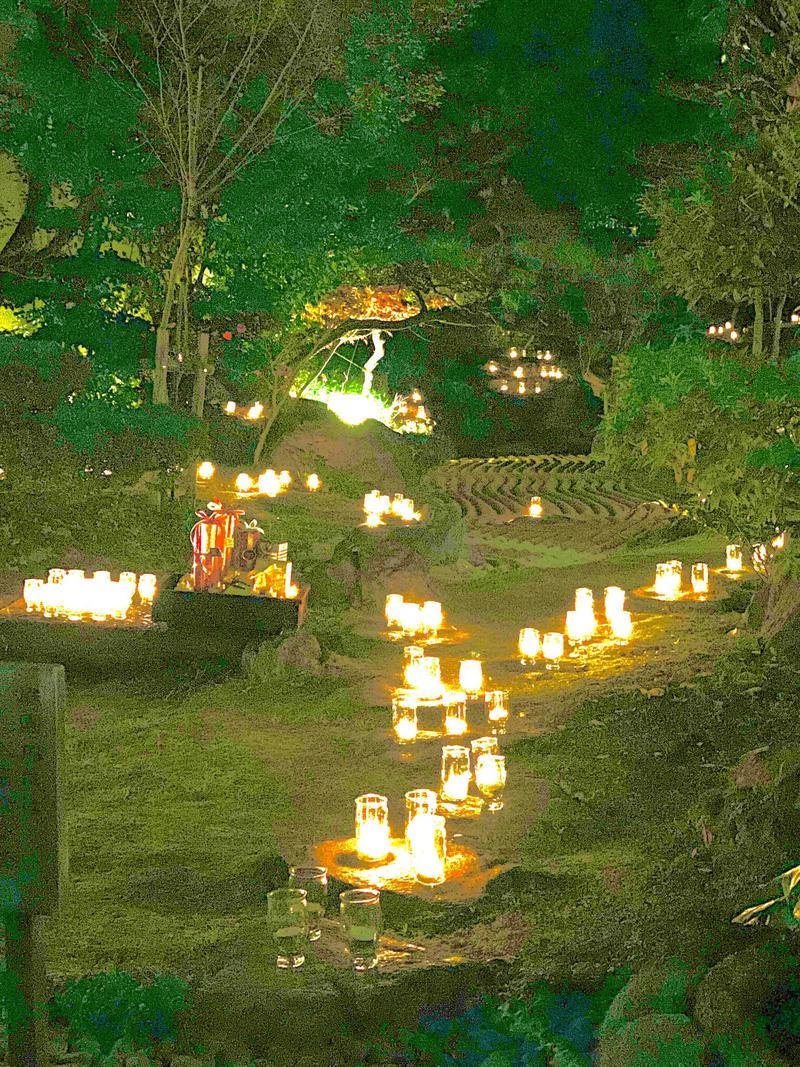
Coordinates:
(497, 706)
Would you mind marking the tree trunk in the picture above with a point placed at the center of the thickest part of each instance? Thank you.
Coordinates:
(379, 350)
(160, 393)
(777, 327)
(775, 605)
(200, 374)
(175, 272)
(758, 327)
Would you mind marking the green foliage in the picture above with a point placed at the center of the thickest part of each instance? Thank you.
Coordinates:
(128, 440)
(114, 1008)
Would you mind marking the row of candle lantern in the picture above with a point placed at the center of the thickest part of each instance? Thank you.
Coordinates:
(405, 708)
(70, 594)
(378, 506)
(411, 618)
(271, 483)
(669, 578)
(422, 676)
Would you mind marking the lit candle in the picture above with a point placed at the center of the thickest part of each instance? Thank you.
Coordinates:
(206, 470)
(621, 625)
(733, 558)
(32, 594)
(456, 774)
(535, 508)
(432, 615)
(372, 827)
(230, 407)
(391, 609)
(779, 541)
(410, 617)
(584, 599)
(614, 600)
(482, 745)
(677, 576)
(662, 582)
(576, 627)
(256, 411)
(313, 483)
(490, 778)
(412, 654)
(470, 676)
(455, 719)
(497, 705)
(552, 649)
(243, 483)
(420, 802)
(147, 587)
(428, 677)
(700, 577)
(269, 484)
(404, 719)
(284, 479)
(529, 643)
(373, 519)
(427, 841)
(56, 575)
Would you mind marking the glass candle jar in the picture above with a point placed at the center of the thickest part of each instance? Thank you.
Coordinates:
(497, 705)
(663, 578)
(482, 745)
(432, 616)
(535, 509)
(420, 802)
(313, 483)
(288, 921)
(700, 577)
(372, 827)
(490, 778)
(404, 719)
(409, 618)
(529, 644)
(733, 558)
(584, 600)
(552, 649)
(361, 921)
(456, 773)
(56, 575)
(314, 880)
(284, 479)
(147, 587)
(576, 627)
(32, 594)
(676, 569)
(391, 609)
(614, 600)
(428, 675)
(412, 654)
(470, 676)
(455, 718)
(621, 625)
(427, 843)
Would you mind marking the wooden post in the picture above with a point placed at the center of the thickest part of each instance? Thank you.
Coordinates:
(33, 853)
(26, 1003)
(160, 392)
(200, 374)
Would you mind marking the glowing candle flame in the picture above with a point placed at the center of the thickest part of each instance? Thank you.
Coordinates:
(372, 827)
(621, 625)
(243, 483)
(733, 558)
(456, 774)
(470, 676)
(313, 483)
(529, 643)
(535, 508)
(614, 600)
(427, 842)
(700, 577)
(552, 648)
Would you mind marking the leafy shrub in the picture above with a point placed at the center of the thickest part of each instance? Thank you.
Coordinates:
(113, 1007)
(129, 440)
(547, 1026)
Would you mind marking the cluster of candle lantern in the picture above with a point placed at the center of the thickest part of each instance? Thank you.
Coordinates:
(581, 625)
(725, 332)
(423, 686)
(669, 579)
(409, 415)
(412, 619)
(252, 411)
(70, 594)
(515, 374)
(271, 483)
(379, 506)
